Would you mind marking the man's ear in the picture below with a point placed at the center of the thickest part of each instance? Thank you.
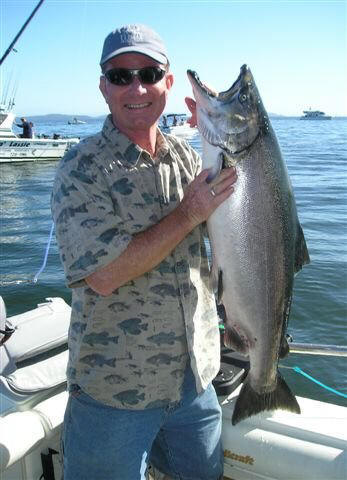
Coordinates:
(191, 104)
(169, 80)
(102, 87)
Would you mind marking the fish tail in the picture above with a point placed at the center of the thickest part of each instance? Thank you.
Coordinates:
(249, 402)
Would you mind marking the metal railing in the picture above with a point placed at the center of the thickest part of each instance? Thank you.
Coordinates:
(317, 349)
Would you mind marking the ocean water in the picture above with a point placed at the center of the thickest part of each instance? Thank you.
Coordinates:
(316, 156)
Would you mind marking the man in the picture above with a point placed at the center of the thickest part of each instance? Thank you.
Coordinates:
(27, 128)
(128, 205)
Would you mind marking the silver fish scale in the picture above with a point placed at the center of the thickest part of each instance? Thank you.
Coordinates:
(256, 241)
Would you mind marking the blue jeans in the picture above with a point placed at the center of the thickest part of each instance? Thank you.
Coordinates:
(182, 440)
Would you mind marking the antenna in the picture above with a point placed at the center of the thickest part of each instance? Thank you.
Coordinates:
(5, 93)
(21, 31)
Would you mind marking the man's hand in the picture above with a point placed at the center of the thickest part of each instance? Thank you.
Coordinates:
(202, 198)
(148, 248)
(191, 104)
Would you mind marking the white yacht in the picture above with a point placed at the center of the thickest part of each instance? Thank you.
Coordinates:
(75, 121)
(314, 115)
(16, 149)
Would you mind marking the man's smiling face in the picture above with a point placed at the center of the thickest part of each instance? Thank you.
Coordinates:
(138, 106)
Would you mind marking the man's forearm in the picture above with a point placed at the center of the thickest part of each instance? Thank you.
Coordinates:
(145, 251)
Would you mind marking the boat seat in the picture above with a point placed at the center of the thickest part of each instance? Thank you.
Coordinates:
(233, 370)
(33, 360)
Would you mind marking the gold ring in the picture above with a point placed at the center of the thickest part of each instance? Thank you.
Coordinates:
(213, 193)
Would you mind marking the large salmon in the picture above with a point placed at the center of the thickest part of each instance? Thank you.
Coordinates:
(256, 239)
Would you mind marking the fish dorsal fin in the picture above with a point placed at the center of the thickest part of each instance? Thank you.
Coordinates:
(301, 253)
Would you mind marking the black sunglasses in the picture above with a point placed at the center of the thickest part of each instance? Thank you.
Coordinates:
(124, 76)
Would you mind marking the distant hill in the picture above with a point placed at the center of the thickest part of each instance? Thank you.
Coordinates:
(59, 117)
(276, 115)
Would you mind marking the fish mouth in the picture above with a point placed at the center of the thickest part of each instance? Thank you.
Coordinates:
(194, 77)
(228, 119)
(221, 96)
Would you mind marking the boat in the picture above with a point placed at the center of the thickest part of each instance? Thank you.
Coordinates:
(274, 445)
(17, 149)
(314, 115)
(75, 121)
(176, 124)
(14, 148)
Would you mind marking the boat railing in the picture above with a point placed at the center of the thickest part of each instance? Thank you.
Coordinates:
(318, 349)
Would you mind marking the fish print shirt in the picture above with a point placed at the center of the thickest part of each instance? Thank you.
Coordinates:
(130, 349)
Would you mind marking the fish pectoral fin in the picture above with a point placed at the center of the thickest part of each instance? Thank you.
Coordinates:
(301, 253)
(223, 161)
(226, 161)
(233, 340)
(249, 402)
(216, 282)
(284, 347)
(220, 286)
(213, 281)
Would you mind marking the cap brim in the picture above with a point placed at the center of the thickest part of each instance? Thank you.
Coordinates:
(158, 57)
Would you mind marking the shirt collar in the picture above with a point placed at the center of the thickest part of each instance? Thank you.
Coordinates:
(162, 147)
(127, 151)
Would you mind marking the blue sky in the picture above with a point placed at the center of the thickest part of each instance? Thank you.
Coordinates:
(297, 50)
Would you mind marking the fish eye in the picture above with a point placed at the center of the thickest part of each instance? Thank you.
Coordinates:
(242, 97)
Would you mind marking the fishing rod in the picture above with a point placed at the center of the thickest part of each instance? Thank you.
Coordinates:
(21, 31)
(317, 349)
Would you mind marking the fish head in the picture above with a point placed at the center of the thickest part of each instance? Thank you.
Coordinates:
(231, 119)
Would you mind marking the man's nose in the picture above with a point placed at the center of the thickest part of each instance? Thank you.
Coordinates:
(136, 85)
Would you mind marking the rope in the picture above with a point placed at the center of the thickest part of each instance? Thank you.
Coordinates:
(298, 370)
(46, 255)
(6, 283)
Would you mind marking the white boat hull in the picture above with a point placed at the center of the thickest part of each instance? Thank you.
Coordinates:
(184, 131)
(29, 149)
(315, 118)
(281, 445)
(270, 446)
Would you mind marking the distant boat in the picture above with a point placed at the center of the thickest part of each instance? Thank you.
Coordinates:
(314, 115)
(176, 124)
(75, 121)
(14, 148)
(173, 120)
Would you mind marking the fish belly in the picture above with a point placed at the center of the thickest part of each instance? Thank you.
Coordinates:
(252, 246)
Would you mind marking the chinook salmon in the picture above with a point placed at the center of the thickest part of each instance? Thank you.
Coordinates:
(256, 239)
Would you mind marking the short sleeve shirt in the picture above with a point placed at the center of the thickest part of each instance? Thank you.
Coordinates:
(130, 349)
